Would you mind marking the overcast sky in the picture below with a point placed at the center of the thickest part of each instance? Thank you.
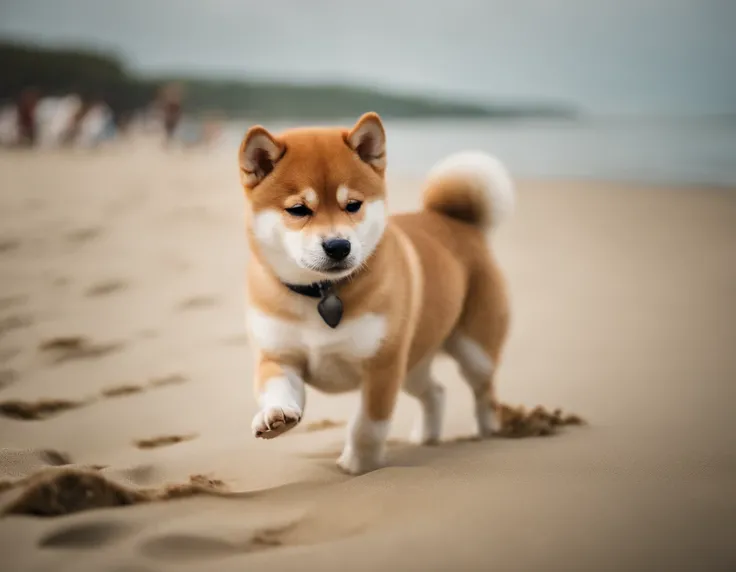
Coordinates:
(608, 56)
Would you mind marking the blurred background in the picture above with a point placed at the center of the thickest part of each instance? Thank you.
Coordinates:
(639, 91)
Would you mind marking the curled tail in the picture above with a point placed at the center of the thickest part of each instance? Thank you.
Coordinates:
(470, 186)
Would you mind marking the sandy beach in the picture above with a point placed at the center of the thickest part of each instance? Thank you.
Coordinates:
(121, 305)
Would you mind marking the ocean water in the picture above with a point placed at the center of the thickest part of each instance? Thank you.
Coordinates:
(676, 152)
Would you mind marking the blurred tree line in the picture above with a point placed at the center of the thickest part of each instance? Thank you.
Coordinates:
(94, 76)
(60, 72)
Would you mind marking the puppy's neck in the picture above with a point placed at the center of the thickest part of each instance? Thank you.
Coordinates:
(268, 290)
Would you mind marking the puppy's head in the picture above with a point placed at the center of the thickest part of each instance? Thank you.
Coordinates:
(316, 198)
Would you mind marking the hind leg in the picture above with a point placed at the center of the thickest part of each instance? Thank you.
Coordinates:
(477, 369)
(431, 396)
(477, 342)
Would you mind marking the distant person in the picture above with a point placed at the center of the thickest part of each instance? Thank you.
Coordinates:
(97, 125)
(72, 133)
(26, 109)
(171, 109)
(8, 125)
(56, 116)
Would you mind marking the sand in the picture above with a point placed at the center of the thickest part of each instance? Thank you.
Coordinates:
(121, 299)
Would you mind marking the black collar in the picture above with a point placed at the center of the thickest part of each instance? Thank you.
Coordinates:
(329, 306)
(312, 290)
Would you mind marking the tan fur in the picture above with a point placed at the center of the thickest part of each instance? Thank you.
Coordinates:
(457, 198)
(432, 275)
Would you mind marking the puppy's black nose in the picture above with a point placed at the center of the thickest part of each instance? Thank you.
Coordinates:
(336, 248)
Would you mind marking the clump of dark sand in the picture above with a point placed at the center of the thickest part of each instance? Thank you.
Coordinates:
(66, 348)
(162, 441)
(6, 484)
(56, 492)
(48, 407)
(84, 234)
(173, 379)
(9, 244)
(517, 422)
(122, 390)
(14, 322)
(105, 288)
(64, 491)
(34, 410)
(197, 485)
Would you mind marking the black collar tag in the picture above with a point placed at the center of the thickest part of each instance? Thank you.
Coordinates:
(330, 306)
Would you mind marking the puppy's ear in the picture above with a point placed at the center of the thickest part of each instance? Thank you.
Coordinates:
(368, 139)
(259, 153)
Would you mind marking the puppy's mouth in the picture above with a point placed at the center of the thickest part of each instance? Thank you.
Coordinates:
(343, 267)
(335, 268)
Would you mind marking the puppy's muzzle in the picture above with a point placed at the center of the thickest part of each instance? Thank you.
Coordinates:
(336, 249)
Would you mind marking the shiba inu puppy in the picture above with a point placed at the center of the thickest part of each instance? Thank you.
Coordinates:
(343, 297)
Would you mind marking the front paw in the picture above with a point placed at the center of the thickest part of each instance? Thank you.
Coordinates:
(273, 421)
(354, 463)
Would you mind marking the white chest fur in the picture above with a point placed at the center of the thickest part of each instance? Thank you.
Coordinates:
(334, 356)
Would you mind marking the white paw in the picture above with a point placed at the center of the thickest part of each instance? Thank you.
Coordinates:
(273, 421)
(357, 464)
(485, 418)
(423, 435)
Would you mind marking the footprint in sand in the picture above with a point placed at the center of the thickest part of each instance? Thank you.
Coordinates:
(122, 390)
(197, 302)
(227, 540)
(163, 381)
(81, 235)
(7, 354)
(105, 288)
(132, 389)
(188, 546)
(9, 245)
(14, 322)
(48, 407)
(67, 348)
(7, 302)
(87, 535)
(35, 410)
(163, 441)
(7, 377)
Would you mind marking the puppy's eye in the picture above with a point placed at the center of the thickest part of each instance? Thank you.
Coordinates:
(353, 206)
(299, 211)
